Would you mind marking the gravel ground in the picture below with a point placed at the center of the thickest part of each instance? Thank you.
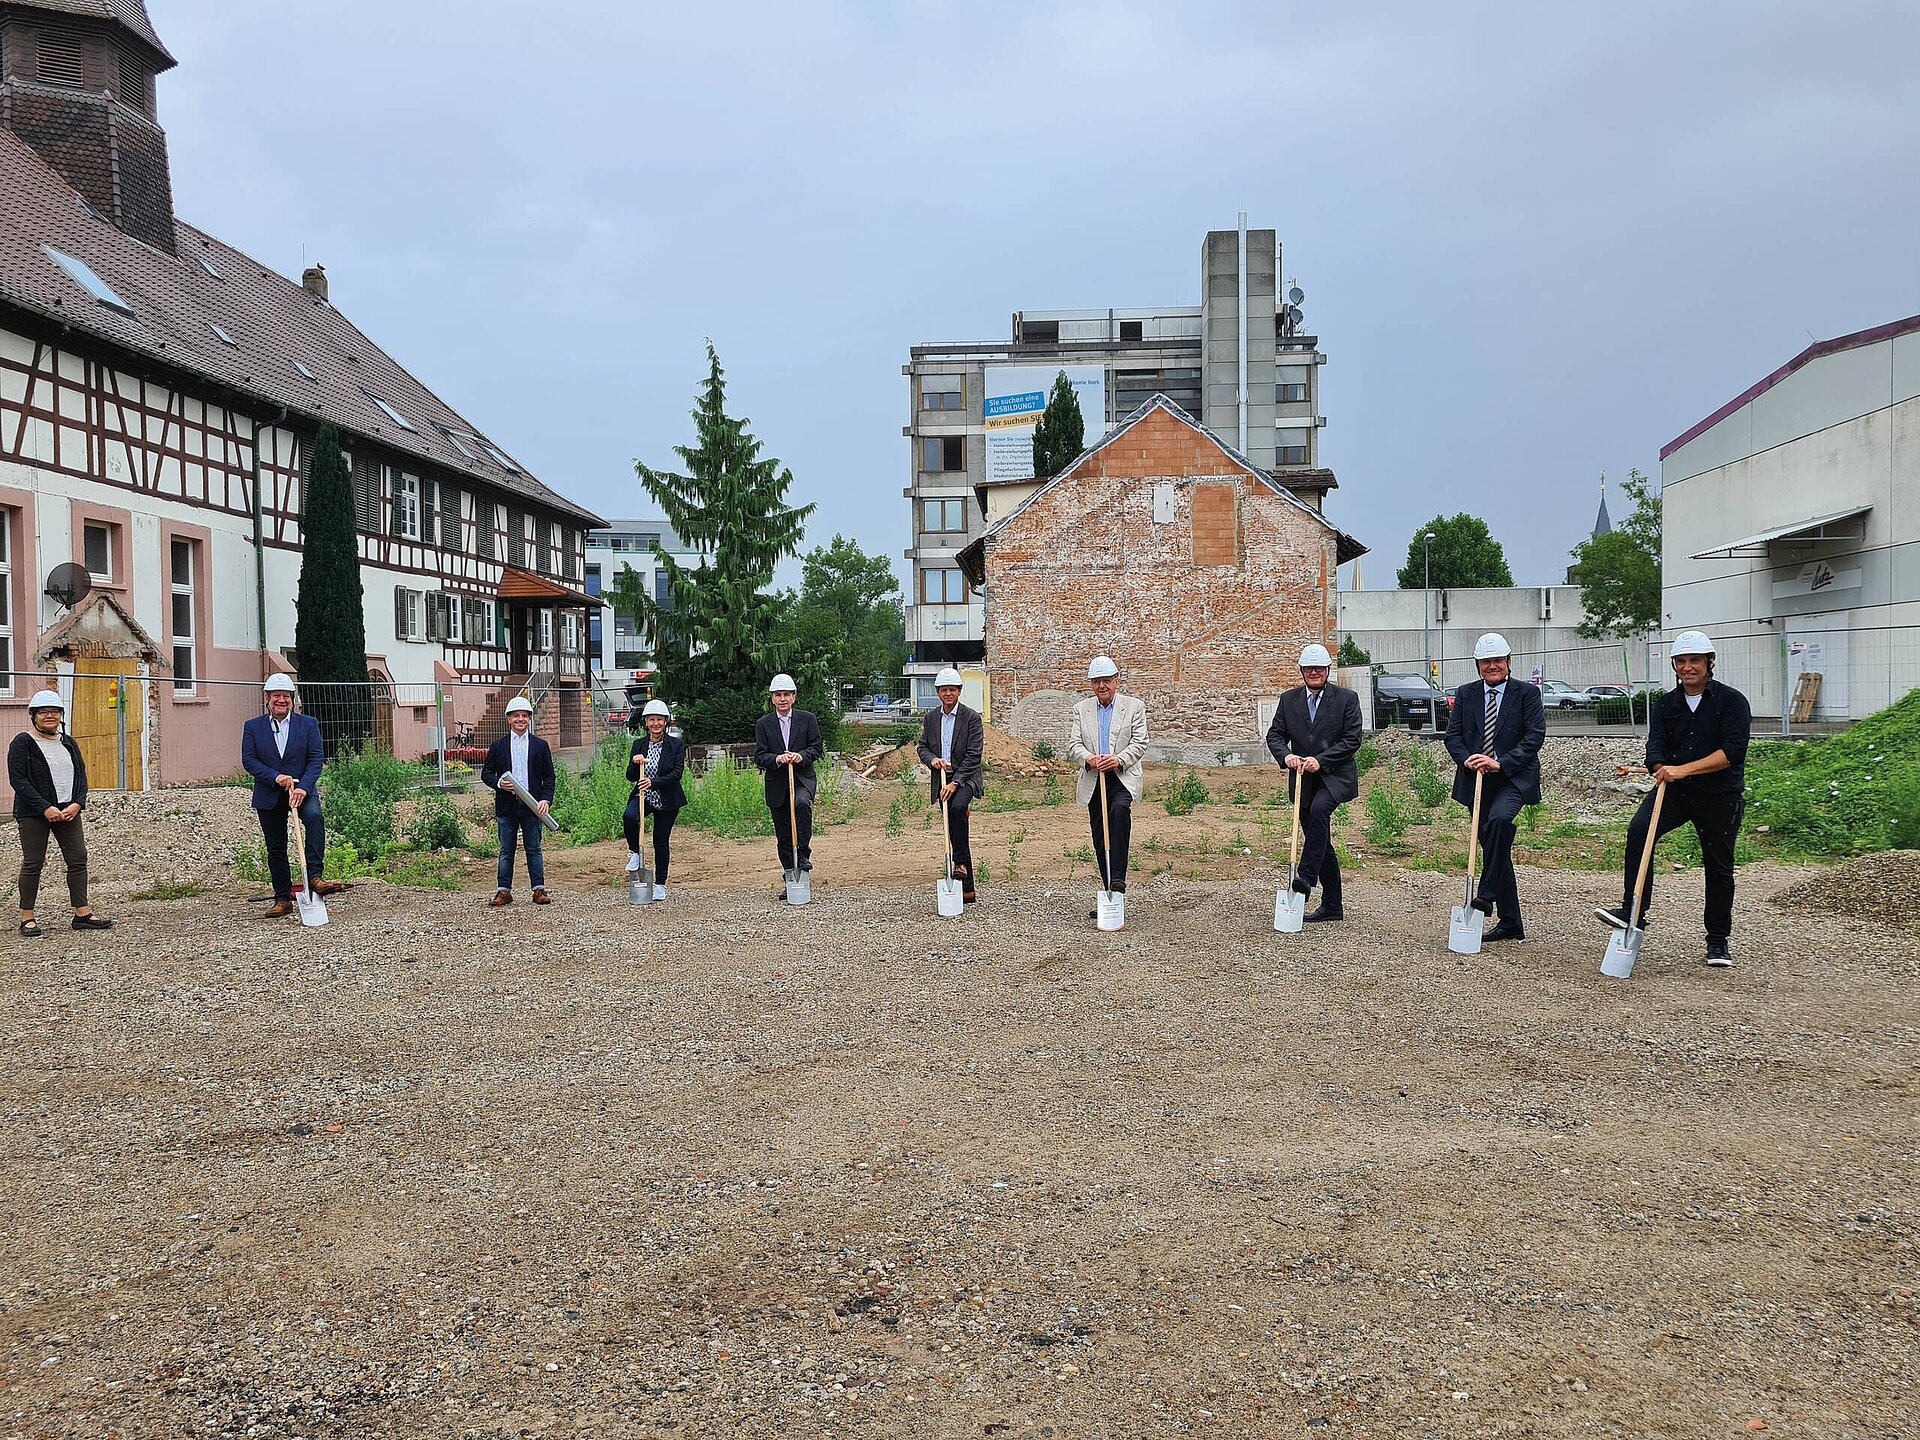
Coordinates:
(720, 1166)
(1881, 888)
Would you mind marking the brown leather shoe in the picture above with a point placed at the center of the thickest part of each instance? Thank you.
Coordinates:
(326, 887)
(501, 897)
(540, 896)
(279, 908)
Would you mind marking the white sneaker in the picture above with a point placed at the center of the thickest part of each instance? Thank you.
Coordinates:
(659, 892)
(633, 862)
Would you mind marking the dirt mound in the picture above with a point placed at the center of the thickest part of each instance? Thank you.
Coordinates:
(1000, 753)
(1884, 888)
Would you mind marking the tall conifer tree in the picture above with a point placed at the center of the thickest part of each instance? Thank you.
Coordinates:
(1061, 433)
(716, 638)
(330, 629)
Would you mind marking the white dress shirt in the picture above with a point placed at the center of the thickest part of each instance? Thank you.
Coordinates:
(517, 748)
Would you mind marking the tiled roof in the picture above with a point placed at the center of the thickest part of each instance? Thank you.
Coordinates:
(275, 325)
(130, 13)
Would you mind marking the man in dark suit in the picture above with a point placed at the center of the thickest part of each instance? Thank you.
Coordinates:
(951, 739)
(519, 770)
(1496, 728)
(283, 752)
(1316, 734)
(788, 742)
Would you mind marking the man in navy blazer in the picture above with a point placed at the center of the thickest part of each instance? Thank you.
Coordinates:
(283, 752)
(786, 742)
(1496, 728)
(519, 770)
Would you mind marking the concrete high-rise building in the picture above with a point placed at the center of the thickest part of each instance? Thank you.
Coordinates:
(1240, 362)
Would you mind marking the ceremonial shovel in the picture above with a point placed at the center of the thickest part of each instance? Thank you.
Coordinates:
(640, 882)
(1290, 906)
(1624, 946)
(313, 910)
(799, 882)
(949, 893)
(1467, 923)
(1110, 905)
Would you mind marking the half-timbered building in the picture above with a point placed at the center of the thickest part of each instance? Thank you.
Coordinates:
(159, 393)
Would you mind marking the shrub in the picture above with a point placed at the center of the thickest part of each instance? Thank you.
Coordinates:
(589, 806)
(1051, 793)
(358, 793)
(729, 800)
(1043, 750)
(1186, 792)
(1622, 711)
(435, 824)
(1425, 775)
(1849, 794)
(1389, 813)
(1368, 756)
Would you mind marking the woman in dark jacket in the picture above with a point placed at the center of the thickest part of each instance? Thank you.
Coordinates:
(49, 780)
(655, 768)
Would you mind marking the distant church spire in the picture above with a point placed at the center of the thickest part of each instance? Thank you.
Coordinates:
(1602, 524)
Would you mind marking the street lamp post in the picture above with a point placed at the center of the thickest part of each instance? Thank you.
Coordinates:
(1426, 603)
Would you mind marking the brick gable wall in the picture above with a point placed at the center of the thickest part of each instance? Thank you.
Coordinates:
(1205, 614)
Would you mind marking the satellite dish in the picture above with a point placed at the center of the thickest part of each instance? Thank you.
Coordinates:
(1295, 295)
(1294, 315)
(68, 584)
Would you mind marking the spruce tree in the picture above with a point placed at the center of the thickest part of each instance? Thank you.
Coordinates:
(330, 631)
(716, 641)
(1061, 433)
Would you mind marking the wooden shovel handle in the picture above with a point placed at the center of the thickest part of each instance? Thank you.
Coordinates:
(1473, 826)
(1106, 834)
(1646, 855)
(1293, 839)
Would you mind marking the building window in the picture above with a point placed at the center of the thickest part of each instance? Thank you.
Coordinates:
(387, 410)
(6, 602)
(182, 580)
(1040, 332)
(943, 392)
(545, 641)
(1132, 330)
(409, 615)
(406, 506)
(942, 587)
(490, 635)
(1290, 445)
(456, 627)
(97, 547)
(1291, 386)
(943, 453)
(943, 517)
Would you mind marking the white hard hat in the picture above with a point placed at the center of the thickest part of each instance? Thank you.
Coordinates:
(1491, 646)
(656, 707)
(1691, 642)
(782, 681)
(47, 700)
(1315, 655)
(1102, 667)
(946, 677)
(277, 685)
(518, 704)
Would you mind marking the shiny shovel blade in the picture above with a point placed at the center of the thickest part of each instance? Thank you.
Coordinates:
(1464, 929)
(951, 897)
(640, 888)
(1110, 909)
(1622, 950)
(313, 910)
(799, 887)
(1289, 910)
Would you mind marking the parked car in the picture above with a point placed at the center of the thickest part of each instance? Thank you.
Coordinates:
(1558, 695)
(1412, 699)
(1594, 694)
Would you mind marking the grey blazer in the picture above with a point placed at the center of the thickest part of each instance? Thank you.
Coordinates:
(1333, 738)
(969, 738)
(1128, 738)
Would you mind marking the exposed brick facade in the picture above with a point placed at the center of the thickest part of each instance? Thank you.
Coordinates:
(1205, 611)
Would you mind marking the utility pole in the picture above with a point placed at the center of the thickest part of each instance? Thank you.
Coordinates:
(1426, 604)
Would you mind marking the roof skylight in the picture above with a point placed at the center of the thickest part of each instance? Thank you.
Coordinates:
(455, 437)
(505, 464)
(388, 411)
(83, 275)
(305, 371)
(207, 266)
(219, 334)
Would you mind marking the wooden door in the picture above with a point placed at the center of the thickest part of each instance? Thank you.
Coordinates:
(94, 721)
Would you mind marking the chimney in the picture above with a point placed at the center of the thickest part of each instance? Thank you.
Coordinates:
(314, 281)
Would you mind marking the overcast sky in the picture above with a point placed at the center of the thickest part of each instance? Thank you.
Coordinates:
(1537, 241)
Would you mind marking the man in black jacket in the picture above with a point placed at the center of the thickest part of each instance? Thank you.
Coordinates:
(1697, 743)
(787, 742)
(951, 741)
(1496, 728)
(1316, 734)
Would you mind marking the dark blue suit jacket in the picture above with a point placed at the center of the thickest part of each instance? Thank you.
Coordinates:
(1517, 737)
(506, 803)
(306, 753)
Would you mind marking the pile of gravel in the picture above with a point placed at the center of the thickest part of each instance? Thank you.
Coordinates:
(1883, 888)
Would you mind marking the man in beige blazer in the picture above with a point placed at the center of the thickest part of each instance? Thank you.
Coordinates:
(1107, 739)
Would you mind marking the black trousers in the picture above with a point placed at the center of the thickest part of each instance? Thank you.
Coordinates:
(273, 827)
(1500, 806)
(1318, 862)
(960, 835)
(662, 835)
(35, 832)
(1119, 820)
(1716, 820)
(803, 812)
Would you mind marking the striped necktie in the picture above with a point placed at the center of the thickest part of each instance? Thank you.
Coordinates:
(1493, 717)
(1313, 707)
